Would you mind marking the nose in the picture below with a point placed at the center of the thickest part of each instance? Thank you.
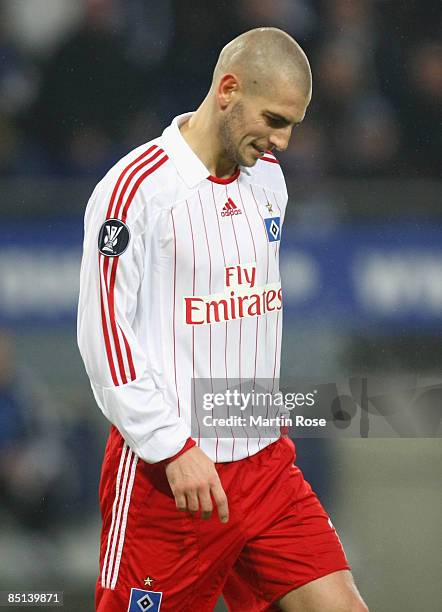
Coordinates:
(279, 139)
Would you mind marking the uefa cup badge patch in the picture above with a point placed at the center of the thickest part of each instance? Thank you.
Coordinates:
(113, 238)
(273, 227)
(141, 601)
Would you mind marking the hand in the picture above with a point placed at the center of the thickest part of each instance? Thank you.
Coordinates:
(194, 481)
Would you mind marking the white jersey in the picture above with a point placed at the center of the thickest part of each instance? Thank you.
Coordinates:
(179, 281)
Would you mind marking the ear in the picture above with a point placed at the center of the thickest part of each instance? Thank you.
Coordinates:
(227, 88)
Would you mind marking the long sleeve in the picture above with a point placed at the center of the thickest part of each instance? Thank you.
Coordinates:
(115, 262)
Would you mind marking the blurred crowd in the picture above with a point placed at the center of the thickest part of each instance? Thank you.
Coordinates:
(83, 82)
(49, 464)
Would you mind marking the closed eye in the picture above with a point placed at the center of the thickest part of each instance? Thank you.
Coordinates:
(275, 121)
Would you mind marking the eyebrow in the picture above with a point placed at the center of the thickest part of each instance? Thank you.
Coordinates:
(282, 119)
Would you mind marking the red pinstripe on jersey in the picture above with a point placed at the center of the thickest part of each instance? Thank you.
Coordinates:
(111, 305)
(240, 325)
(106, 335)
(193, 327)
(210, 291)
(257, 318)
(224, 259)
(118, 350)
(268, 256)
(174, 313)
(277, 316)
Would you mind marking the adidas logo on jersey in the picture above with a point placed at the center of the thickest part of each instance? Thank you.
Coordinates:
(230, 208)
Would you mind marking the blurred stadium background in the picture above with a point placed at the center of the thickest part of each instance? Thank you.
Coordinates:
(81, 83)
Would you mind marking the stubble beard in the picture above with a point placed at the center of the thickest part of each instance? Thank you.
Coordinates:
(230, 125)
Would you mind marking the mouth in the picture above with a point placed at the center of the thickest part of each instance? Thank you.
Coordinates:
(258, 150)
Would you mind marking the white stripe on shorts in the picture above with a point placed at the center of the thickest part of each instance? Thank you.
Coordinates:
(123, 489)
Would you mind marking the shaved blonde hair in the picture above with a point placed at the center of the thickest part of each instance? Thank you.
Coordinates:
(260, 56)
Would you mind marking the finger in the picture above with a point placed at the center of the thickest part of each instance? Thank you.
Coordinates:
(205, 503)
(181, 503)
(192, 501)
(221, 502)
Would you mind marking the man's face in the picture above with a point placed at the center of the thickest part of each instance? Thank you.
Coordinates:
(254, 124)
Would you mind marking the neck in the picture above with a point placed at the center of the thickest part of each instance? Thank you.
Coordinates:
(201, 134)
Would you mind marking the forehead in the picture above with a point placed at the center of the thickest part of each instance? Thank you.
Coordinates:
(284, 97)
(288, 103)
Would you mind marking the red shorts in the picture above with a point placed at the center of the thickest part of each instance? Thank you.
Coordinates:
(154, 557)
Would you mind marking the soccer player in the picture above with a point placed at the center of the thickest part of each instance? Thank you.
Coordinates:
(180, 281)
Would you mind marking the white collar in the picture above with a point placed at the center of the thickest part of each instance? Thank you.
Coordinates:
(189, 166)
